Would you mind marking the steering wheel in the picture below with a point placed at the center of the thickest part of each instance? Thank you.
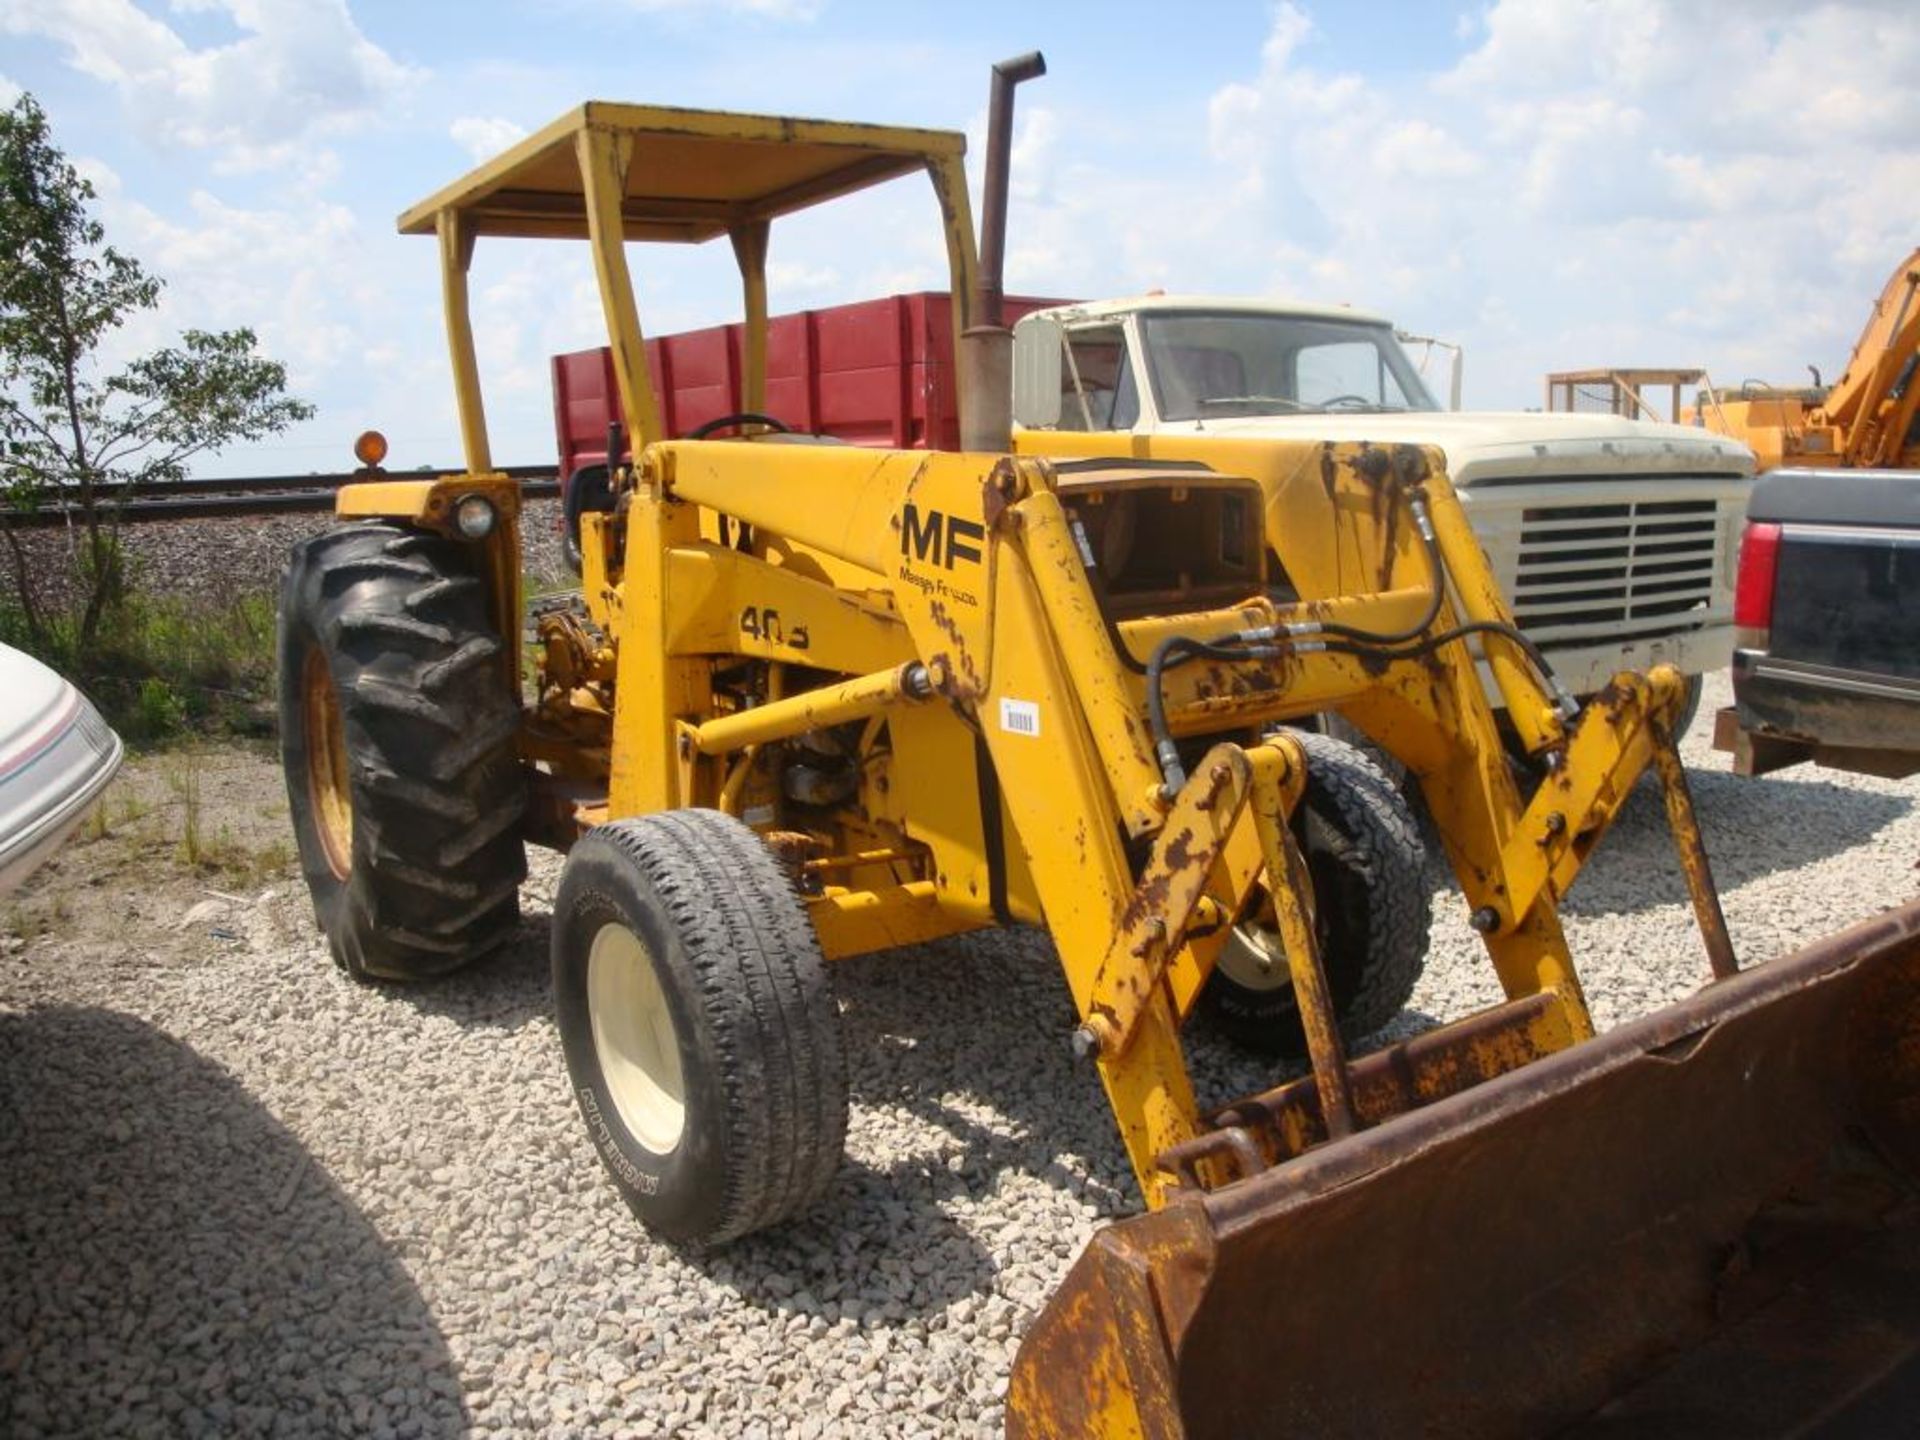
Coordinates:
(735, 420)
(1346, 399)
(743, 538)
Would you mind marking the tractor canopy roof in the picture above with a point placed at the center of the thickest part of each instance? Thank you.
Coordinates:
(692, 175)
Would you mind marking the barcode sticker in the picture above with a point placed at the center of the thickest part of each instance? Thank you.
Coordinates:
(1020, 717)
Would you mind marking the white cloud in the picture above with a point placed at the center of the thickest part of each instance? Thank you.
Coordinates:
(298, 275)
(300, 68)
(1030, 158)
(350, 309)
(1634, 182)
(1419, 147)
(797, 277)
(484, 137)
(9, 91)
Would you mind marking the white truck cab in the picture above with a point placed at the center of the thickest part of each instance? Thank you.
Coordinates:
(1615, 540)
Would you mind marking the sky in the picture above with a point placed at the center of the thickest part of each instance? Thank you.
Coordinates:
(1553, 184)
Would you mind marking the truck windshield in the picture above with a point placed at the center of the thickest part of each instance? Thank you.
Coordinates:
(1204, 365)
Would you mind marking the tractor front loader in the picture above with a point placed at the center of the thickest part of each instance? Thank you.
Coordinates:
(820, 701)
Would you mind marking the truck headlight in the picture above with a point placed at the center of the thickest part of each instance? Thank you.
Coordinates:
(473, 516)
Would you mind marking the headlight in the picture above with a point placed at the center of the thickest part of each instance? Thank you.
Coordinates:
(473, 516)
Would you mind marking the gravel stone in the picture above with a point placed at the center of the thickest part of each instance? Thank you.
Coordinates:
(247, 1196)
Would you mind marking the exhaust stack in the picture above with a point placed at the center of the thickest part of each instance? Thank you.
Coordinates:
(986, 348)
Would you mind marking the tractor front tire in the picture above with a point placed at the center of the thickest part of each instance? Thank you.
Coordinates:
(397, 735)
(1689, 707)
(701, 1033)
(1371, 912)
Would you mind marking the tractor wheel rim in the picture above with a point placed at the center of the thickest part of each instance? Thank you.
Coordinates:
(634, 1038)
(327, 787)
(1254, 957)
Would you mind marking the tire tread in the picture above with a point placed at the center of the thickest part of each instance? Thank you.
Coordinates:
(765, 988)
(434, 777)
(1357, 818)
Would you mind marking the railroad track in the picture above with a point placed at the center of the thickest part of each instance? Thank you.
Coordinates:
(249, 495)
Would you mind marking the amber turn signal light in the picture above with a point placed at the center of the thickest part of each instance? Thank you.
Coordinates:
(371, 448)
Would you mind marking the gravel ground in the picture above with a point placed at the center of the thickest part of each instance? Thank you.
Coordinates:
(245, 1196)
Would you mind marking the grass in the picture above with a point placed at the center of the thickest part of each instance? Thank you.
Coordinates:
(218, 852)
(182, 829)
(162, 667)
(183, 779)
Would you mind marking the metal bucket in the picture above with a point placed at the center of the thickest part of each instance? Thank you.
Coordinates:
(1706, 1222)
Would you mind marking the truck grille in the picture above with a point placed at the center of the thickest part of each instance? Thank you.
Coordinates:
(1629, 565)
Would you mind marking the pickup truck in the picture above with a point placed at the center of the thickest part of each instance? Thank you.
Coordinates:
(1826, 660)
(1615, 540)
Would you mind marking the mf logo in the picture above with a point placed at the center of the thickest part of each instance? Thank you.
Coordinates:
(939, 537)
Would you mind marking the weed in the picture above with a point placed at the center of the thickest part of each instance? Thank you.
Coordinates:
(276, 857)
(133, 809)
(184, 781)
(156, 713)
(166, 667)
(162, 666)
(225, 855)
(97, 827)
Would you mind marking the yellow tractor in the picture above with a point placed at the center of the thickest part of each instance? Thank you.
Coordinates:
(820, 701)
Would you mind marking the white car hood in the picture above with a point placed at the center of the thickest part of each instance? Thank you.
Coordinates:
(1485, 445)
(56, 756)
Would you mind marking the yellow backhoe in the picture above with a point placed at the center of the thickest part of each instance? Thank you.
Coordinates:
(1864, 420)
(821, 701)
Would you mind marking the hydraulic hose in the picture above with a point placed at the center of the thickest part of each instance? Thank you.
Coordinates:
(1306, 636)
(1177, 650)
(1436, 579)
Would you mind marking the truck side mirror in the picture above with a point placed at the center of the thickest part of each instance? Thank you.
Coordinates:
(1036, 372)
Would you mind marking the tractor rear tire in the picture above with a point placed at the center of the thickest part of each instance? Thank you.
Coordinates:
(397, 735)
(1371, 912)
(701, 1033)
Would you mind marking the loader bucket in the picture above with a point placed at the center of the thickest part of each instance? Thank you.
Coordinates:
(1706, 1222)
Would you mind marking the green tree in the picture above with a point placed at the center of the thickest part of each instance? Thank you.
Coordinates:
(71, 431)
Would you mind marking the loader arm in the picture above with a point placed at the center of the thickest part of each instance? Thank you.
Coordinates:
(991, 655)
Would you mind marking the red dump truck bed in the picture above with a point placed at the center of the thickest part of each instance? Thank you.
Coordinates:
(877, 372)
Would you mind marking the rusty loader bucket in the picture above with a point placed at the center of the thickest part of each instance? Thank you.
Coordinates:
(1706, 1222)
